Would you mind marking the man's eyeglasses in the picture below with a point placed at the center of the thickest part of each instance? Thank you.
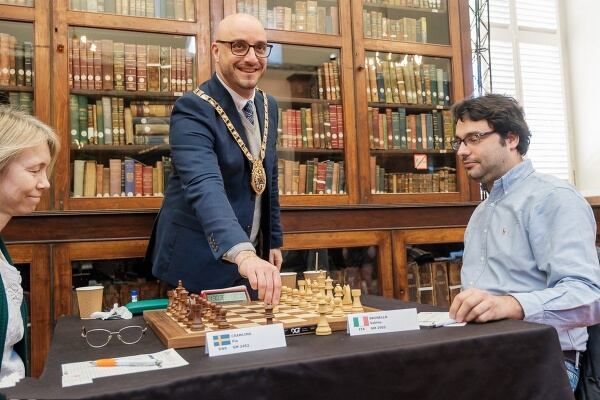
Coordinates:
(241, 48)
(100, 337)
(470, 140)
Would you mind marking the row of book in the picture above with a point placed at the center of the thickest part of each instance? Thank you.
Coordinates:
(182, 10)
(108, 65)
(443, 180)
(306, 16)
(422, 4)
(328, 81)
(435, 283)
(121, 178)
(20, 100)
(16, 61)
(407, 80)
(311, 177)
(318, 127)
(389, 129)
(28, 3)
(406, 29)
(109, 121)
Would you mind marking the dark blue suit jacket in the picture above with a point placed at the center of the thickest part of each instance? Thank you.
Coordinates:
(209, 203)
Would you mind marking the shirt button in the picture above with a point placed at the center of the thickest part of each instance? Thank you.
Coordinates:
(482, 258)
(485, 231)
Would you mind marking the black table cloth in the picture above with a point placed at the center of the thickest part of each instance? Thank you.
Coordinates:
(506, 360)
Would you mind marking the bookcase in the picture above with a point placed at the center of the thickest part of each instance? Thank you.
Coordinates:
(126, 62)
(309, 76)
(409, 71)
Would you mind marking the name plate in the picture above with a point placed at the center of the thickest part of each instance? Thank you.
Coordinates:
(242, 340)
(382, 322)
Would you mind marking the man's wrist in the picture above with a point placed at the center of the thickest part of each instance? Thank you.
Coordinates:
(243, 256)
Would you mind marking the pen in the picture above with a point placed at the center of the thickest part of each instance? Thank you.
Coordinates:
(444, 323)
(113, 362)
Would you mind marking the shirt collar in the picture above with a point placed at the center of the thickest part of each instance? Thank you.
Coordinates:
(238, 100)
(516, 174)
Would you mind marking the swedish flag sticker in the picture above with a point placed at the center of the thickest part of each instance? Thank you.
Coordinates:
(221, 340)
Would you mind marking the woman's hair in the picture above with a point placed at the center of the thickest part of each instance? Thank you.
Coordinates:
(20, 131)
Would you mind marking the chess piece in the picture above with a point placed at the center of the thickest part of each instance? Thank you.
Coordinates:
(329, 286)
(170, 304)
(223, 323)
(329, 302)
(338, 291)
(302, 285)
(315, 289)
(183, 306)
(323, 327)
(295, 300)
(283, 298)
(347, 300)
(356, 305)
(197, 323)
(309, 293)
(302, 296)
(337, 308)
(269, 313)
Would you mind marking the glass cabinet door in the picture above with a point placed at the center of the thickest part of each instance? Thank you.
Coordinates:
(180, 10)
(317, 16)
(306, 83)
(420, 21)
(119, 278)
(354, 266)
(409, 124)
(122, 89)
(16, 65)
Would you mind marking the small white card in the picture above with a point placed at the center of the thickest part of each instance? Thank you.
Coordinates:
(242, 340)
(382, 322)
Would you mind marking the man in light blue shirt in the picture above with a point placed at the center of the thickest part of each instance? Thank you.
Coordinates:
(530, 246)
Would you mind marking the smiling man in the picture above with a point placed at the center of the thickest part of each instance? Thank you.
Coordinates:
(530, 246)
(219, 224)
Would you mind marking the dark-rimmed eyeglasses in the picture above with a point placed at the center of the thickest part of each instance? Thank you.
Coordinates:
(241, 48)
(471, 139)
(100, 337)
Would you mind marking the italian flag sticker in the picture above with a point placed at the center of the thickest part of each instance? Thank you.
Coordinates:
(360, 321)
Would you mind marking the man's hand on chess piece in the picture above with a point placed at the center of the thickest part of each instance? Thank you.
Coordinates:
(262, 275)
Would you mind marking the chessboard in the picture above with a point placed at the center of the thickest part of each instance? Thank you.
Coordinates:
(295, 320)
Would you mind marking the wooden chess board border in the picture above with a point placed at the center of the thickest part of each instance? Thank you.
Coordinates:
(173, 335)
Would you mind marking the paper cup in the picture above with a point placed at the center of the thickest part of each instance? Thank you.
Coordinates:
(313, 275)
(89, 299)
(288, 279)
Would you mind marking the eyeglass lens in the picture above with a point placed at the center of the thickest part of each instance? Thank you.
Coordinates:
(241, 48)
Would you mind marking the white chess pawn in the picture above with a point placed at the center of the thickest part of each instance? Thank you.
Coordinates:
(337, 308)
(323, 327)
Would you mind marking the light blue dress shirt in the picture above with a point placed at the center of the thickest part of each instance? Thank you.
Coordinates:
(534, 238)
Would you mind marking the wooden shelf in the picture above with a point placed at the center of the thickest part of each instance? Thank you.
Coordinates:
(414, 10)
(300, 100)
(128, 94)
(409, 107)
(410, 152)
(26, 89)
(130, 23)
(125, 149)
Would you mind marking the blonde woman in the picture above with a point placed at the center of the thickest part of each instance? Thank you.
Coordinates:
(28, 150)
